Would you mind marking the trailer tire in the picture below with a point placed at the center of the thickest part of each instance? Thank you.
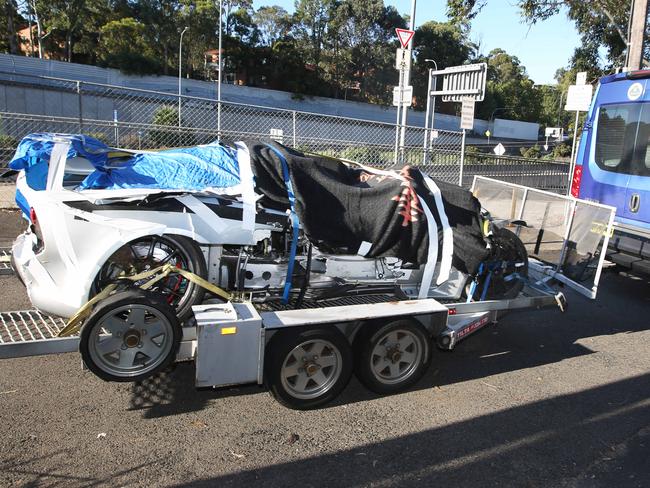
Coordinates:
(141, 336)
(307, 368)
(392, 357)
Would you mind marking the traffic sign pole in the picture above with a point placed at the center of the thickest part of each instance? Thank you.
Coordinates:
(578, 99)
(406, 79)
(397, 131)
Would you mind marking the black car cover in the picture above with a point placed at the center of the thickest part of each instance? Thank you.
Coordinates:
(356, 209)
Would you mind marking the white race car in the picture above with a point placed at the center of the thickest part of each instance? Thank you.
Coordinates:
(285, 229)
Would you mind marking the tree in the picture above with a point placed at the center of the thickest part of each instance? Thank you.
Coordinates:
(447, 44)
(360, 45)
(509, 89)
(9, 39)
(65, 20)
(310, 24)
(601, 23)
(273, 23)
(123, 45)
(162, 20)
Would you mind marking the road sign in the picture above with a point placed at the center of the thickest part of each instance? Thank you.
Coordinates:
(581, 78)
(403, 96)
(555, 132)
(467, 113)
(578, 98)
(499, 150)
(404, 36)
(403, 60)
(461, 81)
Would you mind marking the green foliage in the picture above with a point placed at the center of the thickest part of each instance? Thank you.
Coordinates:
(336, 48)
(561, 151)
(448, 45)
(600, 23)
(122, 45)
(532, 152)
(510, 93)
(167, 133)
(363, 154)
(7, 142)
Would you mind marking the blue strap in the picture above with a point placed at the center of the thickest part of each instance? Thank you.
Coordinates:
(295, 224)
(486, 285)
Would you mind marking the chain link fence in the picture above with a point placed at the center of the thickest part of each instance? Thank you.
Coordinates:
(144, 119)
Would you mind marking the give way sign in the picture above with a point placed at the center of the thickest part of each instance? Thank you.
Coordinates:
(404, 36)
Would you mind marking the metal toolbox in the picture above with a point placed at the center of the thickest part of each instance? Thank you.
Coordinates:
(230, 344)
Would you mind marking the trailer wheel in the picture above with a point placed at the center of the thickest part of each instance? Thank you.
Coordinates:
(392, 357)
(307, 368)
(130, 336)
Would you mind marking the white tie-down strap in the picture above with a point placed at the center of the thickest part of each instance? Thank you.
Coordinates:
(203, 212)
(56, 167)
(447, 232)
(247, 186)
(432, 255)
(364, 248)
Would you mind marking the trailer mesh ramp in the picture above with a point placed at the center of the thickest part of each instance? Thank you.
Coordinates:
(277, 306)
(5, 264)
(29, 333)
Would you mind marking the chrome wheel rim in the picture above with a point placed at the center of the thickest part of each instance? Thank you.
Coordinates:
(131, 340)
(311, 369)
(396, 356)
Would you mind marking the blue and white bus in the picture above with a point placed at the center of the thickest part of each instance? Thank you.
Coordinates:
(613, 164)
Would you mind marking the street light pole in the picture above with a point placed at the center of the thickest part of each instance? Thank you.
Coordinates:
(431, 110)
(219, 78)
(180, 72)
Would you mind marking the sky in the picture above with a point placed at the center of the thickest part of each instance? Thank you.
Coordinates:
(542, 48)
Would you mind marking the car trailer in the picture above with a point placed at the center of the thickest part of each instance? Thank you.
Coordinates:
(307, 355)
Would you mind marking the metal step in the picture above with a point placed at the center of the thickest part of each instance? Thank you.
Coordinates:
(31, 333)
(5, 264)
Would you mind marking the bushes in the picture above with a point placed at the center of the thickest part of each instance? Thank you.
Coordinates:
(532, 152)
(561, 151)
(8, 142)
(167, 133)
(363, 154)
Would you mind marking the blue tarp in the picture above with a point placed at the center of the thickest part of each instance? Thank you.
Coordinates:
(34, 151)
(193, 168)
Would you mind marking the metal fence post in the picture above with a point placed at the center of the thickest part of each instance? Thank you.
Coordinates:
(219, 120)
(81, 120)
(462, 160)
(293, 116)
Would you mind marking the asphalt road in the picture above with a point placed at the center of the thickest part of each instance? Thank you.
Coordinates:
(542, 399)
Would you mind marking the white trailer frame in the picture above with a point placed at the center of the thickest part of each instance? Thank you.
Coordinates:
(229, 341)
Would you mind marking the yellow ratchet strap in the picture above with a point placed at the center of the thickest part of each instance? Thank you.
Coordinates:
(156, 274)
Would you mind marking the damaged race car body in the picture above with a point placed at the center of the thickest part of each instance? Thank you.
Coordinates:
(260, 220)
